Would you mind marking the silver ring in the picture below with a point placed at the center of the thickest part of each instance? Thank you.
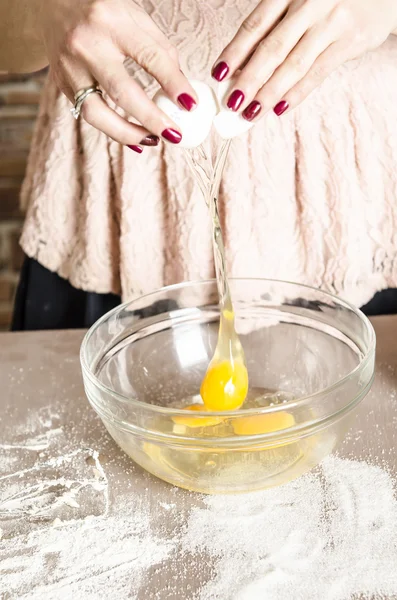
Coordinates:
(80, 96)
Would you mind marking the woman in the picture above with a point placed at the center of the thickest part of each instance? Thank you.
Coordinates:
(309, 196)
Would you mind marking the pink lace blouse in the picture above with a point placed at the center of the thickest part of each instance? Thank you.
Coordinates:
(308, 197)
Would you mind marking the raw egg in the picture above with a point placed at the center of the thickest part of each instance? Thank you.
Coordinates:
(225, 385)
(257, 424)
(194, 422)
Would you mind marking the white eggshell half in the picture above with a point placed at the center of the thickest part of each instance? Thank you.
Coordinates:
(228, 123)
(196, 125)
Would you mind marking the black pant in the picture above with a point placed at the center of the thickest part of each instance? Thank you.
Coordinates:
(46, 301)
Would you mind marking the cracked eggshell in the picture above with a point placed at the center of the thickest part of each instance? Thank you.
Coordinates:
(196, 125)
(228, 123)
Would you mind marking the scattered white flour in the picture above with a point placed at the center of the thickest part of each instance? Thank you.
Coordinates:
(325, 536)
(45, 486)
(90, 559)
(167, 506)
(70, 527)
(330, 535)
(37, 443)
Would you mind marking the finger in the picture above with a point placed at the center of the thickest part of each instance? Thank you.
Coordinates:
(127, 94)
(98, 114)
(333, 57)
(269, 55)
(250, 55)
(297, 64)
(160, 58)
(157, 35)
(99, 54)
(257, 25)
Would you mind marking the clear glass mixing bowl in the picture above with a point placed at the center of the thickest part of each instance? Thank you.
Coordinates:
(310, 359)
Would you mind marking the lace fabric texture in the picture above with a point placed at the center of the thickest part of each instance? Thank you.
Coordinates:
(308, 197)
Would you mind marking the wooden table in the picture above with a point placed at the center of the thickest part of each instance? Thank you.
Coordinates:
(60, 471)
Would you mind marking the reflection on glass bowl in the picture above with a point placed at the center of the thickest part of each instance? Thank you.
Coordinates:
(310, 359)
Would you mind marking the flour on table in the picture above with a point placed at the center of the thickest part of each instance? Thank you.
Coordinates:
(51, 488)
(37, 443)
(83, 560)
(328, 535)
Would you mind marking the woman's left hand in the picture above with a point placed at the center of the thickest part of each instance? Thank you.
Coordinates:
(286, 48)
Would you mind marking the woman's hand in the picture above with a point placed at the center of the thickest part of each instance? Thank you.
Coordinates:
(286, 48)
(87, 42)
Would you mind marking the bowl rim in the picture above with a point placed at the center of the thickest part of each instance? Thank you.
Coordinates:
(297, 402)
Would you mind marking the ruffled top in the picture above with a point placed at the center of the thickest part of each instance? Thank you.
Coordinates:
(308, 197)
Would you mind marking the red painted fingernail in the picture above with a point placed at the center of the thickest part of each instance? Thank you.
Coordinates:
(171, 135)
(220, 71)
(187, 102)
(150, 140)
(252, 110)
(136, 149)
(236, 99)
(281, 107)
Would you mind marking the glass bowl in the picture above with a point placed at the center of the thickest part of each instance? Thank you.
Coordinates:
(310, 359)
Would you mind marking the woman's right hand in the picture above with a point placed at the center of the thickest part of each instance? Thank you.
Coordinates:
(87, 42)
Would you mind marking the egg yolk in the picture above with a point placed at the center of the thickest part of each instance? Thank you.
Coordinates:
(263, 423)
(228, 315)
(194, 422)
(225, 386)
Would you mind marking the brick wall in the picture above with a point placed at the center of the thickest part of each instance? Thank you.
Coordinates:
(19, 97)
